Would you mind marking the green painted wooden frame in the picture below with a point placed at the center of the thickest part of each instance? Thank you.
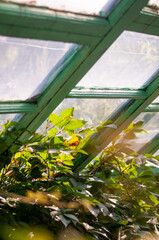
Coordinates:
(95, 34)
(151, 147)
(154, 107)
(109, 93)
(40, 23)
(17, 107)
(80, 61)
(121, 118)
(147, 22)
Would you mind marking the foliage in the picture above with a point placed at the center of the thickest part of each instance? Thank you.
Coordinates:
(115, 197)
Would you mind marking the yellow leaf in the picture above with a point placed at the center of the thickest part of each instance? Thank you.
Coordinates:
(17, 155)
(72, 140)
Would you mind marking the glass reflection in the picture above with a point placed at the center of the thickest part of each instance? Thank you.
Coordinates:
(25, 66)
(82, 6)
(131, 60)
(94, 111)
(9, 117)
(150, 124)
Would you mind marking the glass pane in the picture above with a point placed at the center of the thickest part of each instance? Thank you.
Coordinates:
(95, 111)
(80, 6)
(156, 100)
(25, 65)
(9, 117)
(156, 153)
(131, 60)
(153, 3)
(151, 125)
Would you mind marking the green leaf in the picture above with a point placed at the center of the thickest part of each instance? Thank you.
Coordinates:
(66, 113)
(74, 124)
(16, 170)
(14, 148)
(64, 220)
(133, 171)
(72, 217)
(131, 126)
(68, 162)
(106, 126)
(18, 155)
(54, 119)
(63, 169)
(156, 157)
(114, 216)
(154, 199)
(148, 156)
(81, 151)
(86, 130)
(138, 124)
(55, 141)
(36, 138)
(139, 130)
(102, 176)
(66, 157)
(35, 173)
(107, 122)
(125, 223)
(9, 124)
(146, 173)
(103, 209)
(89, 133)
(87, 226)
(3, 144)
(52, 132)
(69, 132)
(44, 154)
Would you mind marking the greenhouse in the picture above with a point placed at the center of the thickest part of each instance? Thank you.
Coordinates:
(79, 110)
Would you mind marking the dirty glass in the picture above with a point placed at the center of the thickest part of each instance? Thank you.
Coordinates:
(9, 117)
(131, 61)
(94, 111)
(153, 3)
(79, 6)
(150, 124)
(156, 100)
(26, 66)
(156, 153)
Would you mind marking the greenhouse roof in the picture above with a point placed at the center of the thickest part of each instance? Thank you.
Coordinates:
(53, 50)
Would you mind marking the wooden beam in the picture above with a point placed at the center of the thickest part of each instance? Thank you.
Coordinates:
(151, 147)
(80, 63)
(15, 107)
(152, 108)
(84, 93)
(39, 23)
(147, 22)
